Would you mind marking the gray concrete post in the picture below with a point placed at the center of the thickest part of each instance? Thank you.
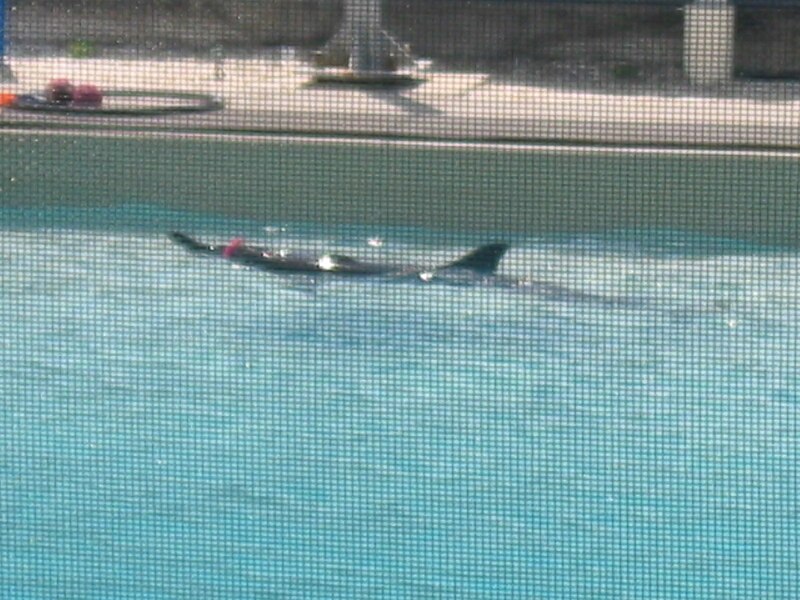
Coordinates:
(363, 19)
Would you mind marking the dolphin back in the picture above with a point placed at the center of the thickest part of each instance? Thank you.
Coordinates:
(484, 260)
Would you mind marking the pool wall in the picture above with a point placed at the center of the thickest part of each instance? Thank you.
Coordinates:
(527, 189)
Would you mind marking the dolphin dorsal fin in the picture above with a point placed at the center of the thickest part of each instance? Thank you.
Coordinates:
(483, 260)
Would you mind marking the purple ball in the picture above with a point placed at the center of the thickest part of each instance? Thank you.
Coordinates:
(87, 94)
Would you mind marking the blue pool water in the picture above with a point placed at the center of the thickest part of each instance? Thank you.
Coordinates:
(176, 427)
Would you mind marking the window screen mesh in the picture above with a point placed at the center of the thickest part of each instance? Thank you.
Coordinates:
(381, 299)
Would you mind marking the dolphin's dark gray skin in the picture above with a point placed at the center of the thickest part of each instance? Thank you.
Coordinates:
(481, 262)
(478, 267)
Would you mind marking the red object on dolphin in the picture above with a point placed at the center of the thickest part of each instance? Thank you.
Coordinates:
(232, 246)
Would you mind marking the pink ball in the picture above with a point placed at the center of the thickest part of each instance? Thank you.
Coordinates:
(87, 94)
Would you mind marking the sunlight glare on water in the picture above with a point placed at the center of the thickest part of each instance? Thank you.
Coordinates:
(175, 426)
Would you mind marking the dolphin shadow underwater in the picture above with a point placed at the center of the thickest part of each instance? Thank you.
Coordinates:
(475, 268)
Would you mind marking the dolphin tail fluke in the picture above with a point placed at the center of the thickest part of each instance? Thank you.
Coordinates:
(483, 260)
(191, 244)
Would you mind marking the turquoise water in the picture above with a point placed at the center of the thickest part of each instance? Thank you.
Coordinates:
(176, 427)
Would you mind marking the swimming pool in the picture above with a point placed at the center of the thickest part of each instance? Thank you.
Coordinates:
(177, 427)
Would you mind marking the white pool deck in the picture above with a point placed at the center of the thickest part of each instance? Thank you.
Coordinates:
(269, 95)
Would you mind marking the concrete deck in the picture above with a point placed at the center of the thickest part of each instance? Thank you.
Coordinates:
(276, 96)
(218, 163)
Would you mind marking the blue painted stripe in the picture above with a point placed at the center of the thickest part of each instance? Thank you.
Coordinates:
(2, 28)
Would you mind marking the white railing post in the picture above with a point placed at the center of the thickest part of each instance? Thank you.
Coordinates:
(708, 41)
